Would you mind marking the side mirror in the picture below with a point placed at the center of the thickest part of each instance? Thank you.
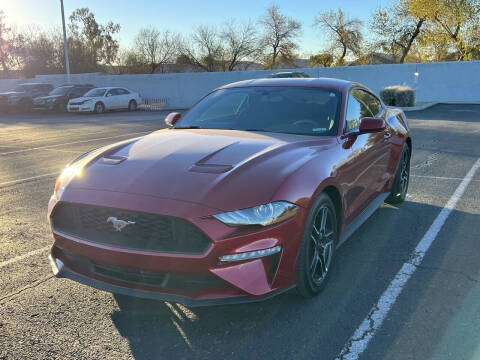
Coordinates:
(370, 125)
(108, 95)
(172, 118)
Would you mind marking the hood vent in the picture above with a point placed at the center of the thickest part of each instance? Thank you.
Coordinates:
(210, 168)
(112, 159)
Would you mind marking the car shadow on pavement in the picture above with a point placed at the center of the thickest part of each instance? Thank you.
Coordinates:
(289, 326)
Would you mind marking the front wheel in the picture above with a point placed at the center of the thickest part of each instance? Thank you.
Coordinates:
(402, 178)
(99, 108)
(318, 247)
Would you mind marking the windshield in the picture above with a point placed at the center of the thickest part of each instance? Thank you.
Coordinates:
(62, 90)
(292, 110)
(21, 88)
(95, 92)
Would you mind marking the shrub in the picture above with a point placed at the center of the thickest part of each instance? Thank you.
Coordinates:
(398, 96)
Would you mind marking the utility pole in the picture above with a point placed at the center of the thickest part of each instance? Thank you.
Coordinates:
(65, 46)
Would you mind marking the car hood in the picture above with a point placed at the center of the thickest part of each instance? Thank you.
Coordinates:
(49, 97)
(222, 169)
(83, 98)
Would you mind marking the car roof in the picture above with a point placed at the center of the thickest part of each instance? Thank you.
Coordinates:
(35, 84)
(328, 83)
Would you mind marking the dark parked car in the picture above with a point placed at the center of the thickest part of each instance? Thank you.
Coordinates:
(288, 74)
(21, 97)
(59, 97)
(244, 197)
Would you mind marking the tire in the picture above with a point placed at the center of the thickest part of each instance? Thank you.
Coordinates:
(132, 105)
(99, 108)
(402, 178)
(25, 105)
(59, 107)
(314, 268)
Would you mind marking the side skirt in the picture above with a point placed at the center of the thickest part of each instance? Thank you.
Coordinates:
(350, 229)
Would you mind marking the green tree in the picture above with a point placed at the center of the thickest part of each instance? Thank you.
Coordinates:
(396, 29)
(96, 39)
(4, 42)
(455, 21)
(325, 59)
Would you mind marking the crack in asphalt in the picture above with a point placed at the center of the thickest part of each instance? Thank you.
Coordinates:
(344, 355)
(11, 296)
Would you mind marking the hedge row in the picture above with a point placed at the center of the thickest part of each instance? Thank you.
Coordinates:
(398, 96)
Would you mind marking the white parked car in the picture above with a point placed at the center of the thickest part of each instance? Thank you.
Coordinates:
(99, 100)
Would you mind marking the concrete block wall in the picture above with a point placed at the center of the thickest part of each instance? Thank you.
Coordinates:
(436, 82)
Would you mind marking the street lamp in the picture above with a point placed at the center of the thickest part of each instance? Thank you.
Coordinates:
(65, 46)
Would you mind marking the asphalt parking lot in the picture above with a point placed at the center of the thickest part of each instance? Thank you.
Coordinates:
(436, 316)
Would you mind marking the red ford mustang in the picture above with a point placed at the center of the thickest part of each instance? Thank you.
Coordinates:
(246, 196)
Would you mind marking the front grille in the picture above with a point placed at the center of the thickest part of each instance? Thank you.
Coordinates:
(143, 277)
(145, 232)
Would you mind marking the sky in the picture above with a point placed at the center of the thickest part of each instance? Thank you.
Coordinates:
(183, 15)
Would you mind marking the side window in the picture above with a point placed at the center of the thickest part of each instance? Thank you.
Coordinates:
(354, 114)
(111, 92)
(122, 92)
(370, 104)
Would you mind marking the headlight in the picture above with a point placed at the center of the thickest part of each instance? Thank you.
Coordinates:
(84, 101)
(263, 215)
(51, 100)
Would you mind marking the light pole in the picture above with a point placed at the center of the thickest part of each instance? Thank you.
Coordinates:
(65, 46)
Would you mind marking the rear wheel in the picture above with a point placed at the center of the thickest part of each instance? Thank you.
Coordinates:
(402, 178)
(99, 108)
(132, 105)
(318, 247)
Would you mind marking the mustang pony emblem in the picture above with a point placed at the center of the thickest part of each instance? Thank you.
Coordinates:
(119, 224)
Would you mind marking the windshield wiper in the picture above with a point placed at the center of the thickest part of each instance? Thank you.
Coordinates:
(188, 127)
(263, 130)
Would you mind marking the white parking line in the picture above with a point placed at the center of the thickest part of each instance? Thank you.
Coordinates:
(440, 177)
(365, 332)
(20, 181)
(24, 256)
(71, 143)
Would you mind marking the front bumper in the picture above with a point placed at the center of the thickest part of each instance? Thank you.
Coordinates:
(243, 281)
(80, 108)
(62, 271)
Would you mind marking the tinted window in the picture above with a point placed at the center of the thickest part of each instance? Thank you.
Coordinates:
(370, 104)
(122, 92)
(61, 90)
(78, 91)
(354, 114)
(293, 110)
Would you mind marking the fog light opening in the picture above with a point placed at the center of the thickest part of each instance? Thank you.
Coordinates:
(250, 255)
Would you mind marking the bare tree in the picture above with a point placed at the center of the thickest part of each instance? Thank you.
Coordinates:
(204, 49)
(345, 34)
(278, 40)
(396, 29)
(156, 48)
(240, 43)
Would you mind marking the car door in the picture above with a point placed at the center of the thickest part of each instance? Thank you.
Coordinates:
(364, 164)
(111, 99)
(124, 98)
